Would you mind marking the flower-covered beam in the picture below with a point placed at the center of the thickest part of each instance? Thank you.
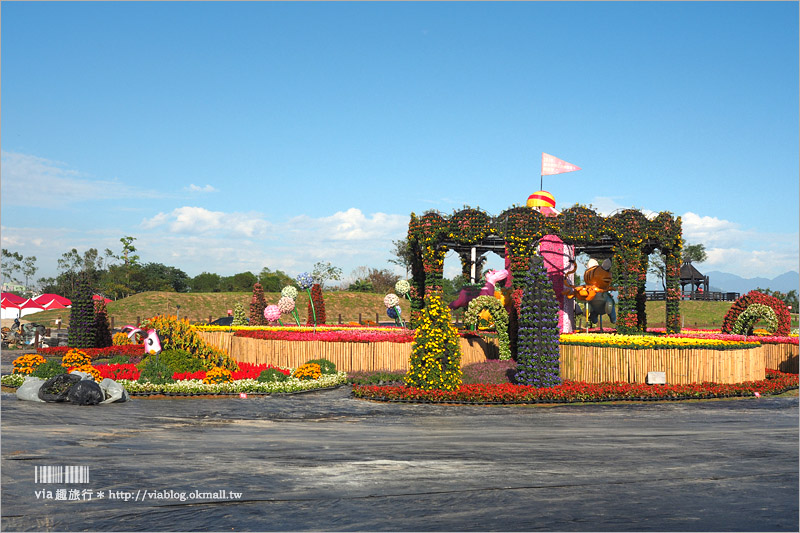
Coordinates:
(628, 236)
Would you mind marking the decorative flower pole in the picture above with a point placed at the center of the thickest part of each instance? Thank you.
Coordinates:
(305, 281)
(286, 305)
(273, 314)
(391, 301)
(288, 294)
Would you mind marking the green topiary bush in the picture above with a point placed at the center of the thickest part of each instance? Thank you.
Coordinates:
(271, 375)
(326, 366)
(155, 372)
(119, 360)
(239, 315)
(181, 361)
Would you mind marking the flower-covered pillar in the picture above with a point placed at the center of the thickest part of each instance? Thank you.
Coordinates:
(673, 267)
(627, 264)
(425, 236)
(666, 232)
(641, 294)
(630, 269)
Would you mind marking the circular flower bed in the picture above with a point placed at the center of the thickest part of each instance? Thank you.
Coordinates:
(577, 392)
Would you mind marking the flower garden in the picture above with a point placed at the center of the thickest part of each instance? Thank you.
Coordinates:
(754, 354)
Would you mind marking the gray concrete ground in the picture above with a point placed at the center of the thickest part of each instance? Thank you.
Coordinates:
(326, 461)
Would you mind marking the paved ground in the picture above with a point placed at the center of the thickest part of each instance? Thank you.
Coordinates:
(325, 461)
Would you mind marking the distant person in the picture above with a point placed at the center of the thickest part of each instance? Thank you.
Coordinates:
(58, 323)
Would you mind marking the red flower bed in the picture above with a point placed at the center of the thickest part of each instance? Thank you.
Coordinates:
(246, 371)
(118, 371)
(575, 391)
(359, 335)
(95, 353)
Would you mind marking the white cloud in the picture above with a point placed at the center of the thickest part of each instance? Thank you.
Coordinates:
(35, 181)
(198, 220)
(350, 225)
(196, 188)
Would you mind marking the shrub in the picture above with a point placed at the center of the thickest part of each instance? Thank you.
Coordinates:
(156, 372)
(326, 366)
(182, 361)
(271, 374)
(48, 369)
(435, 361)
(119, 360)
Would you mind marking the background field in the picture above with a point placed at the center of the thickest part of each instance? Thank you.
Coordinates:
(199, 306)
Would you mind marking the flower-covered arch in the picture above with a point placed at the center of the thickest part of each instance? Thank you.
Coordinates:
(627, 237)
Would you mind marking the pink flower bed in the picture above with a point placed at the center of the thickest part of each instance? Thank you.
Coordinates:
(354, 335)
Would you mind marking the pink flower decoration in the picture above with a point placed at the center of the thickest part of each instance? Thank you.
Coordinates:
(272, 313)
(286, 304)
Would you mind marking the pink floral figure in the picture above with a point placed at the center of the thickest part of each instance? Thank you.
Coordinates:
(152, 344)
(466, 295)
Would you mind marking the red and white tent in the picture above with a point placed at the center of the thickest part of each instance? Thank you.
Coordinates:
(9, 305)
(52, 301)
(13, 308)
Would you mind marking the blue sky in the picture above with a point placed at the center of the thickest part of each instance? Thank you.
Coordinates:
(235, 136)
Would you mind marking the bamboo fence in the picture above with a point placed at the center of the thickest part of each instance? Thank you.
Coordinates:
(578, 363)
(595, 365)
(347, 356)
(781, 357)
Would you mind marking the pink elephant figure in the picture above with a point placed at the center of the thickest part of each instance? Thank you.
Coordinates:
(468, 294)
(152, 344)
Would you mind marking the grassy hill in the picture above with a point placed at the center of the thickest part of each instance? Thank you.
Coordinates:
(201, 306)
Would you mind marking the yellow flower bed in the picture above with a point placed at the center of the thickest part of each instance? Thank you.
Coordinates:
(121, 339)
(308, 371)
(218, 375)
(27, 364)
(75, 358)
(89, 369)
(638, 342)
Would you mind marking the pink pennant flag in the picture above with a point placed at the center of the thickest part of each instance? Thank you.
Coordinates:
(553, 165)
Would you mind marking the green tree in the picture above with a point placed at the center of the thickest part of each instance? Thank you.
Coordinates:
(403, 256)
(274, 281)
(241, 282)
(205, 282)
(695, 253)
(325, 272)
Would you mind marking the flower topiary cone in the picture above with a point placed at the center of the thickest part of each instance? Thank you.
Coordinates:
(435, 361)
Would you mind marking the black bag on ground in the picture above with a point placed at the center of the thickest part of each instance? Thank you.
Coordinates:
(56, 388)
(86, 392)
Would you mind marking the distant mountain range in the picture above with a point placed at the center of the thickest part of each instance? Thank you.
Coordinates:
(724, 282)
